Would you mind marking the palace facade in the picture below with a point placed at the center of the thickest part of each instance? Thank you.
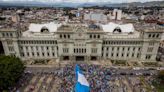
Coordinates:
(81, 42)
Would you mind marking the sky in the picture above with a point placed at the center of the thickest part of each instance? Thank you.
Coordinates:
(84, 1)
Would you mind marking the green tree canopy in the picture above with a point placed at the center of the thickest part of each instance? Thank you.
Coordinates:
(161, 75)
(11, 69)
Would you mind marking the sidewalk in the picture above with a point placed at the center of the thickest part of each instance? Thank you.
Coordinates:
(106, 63)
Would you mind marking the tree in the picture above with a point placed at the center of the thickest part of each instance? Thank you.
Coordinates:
(11, 69)
(161, 75)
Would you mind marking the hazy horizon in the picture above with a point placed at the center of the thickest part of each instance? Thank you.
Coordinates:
(80, 1)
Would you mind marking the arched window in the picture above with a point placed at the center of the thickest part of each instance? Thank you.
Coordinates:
(7, 34)
(11, 35)
(94, 36)
(90, 36)
(64, 36)
(68, 36)
(44, 30)
(157, 35)
(60, 36)
(3, 34)
(149, 35)
(98, 36)
(153, 35)
(117, 30)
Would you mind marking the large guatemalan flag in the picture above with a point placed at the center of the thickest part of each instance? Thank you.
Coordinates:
(82, 84)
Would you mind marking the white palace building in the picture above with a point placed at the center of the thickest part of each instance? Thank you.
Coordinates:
(81, 42)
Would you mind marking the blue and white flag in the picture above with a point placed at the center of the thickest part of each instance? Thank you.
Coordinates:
(82, 84)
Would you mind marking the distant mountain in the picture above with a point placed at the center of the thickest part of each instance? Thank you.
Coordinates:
(69, 4)
(22, 3)
(100, 4)
(38, 4)
(136, 4)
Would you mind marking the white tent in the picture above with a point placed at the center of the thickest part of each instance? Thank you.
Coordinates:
(126, 28)
(52, 27)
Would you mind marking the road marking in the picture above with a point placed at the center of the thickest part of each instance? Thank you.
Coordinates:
(31, 82)
(39, 84)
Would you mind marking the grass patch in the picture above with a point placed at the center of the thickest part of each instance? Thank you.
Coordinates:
(135, 64)
(152, 64)
(112, 61)
(40, 62)
(119, 62)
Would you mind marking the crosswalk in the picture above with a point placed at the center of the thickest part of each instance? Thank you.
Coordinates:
(52, 83)
(31, 82)
(42, 84)
(127, 85)
(39, 84)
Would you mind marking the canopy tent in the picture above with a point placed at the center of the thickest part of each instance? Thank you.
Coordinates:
(52, 27)
(110, 27)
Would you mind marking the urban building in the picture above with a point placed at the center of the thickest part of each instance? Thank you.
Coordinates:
(15, 18)
(81, 42)
(116, 14)
(96, 17)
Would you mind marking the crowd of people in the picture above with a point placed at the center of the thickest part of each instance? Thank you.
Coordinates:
(100, 78)
(97, 76)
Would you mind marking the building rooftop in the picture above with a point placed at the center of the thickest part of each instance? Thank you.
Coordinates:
(7, 29)
(112, 29)
(148, 27)
(129, 36)
(65, 28)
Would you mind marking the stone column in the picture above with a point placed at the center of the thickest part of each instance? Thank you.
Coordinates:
(104, 52)
(98, 58)
(115, 51)
(136, 51)
(16, 48)
(24, 50)
(45, 51)
(61, 58)
(40, 51)
(125, 53)
(35, 51)
(144, 50)
(120, 52)
(50, 51)
(30, 52)
(86, 58)
(109, 52)
(5, 47)
(56, 52)
(130, 52)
